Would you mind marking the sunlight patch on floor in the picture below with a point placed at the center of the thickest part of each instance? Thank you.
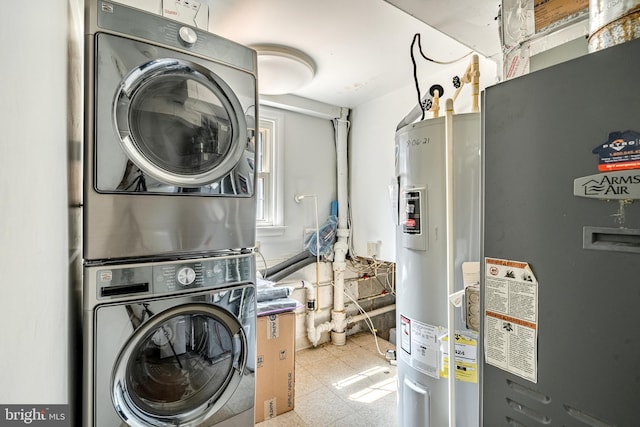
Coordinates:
(359, 377)
(376, 391)
(372, 392)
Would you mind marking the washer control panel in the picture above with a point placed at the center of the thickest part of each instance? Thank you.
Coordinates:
(173, 276)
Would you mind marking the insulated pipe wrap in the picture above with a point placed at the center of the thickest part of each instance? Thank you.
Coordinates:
(302, 256)
(290, 269)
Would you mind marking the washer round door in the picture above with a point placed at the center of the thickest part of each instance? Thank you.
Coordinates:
(180, 367)
(179, 122)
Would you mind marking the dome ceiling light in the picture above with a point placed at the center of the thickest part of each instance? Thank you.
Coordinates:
(282, 69)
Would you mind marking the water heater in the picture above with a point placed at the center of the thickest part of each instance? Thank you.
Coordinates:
(438, 231)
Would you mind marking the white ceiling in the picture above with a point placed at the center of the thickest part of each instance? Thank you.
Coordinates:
(361, 47)
(474, 23)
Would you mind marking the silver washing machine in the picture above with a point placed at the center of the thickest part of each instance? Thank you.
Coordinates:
(170, 343)
(170, 127)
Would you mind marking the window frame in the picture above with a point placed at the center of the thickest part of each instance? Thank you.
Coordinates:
(271, 125)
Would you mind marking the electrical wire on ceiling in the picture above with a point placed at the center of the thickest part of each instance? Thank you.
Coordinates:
(416, 38)
(425, 105)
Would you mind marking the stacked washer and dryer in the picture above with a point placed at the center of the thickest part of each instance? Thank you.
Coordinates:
(168, 223)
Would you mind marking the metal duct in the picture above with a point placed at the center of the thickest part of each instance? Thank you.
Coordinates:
(612, 23)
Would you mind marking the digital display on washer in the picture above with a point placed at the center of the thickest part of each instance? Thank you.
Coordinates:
(113, 282)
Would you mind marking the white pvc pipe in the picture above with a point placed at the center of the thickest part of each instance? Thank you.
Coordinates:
(450, 259)
(342, 125)
(372, 313)
(298, 198)
(315, 332)
(340, 248)
(295, 284)
(338, 323)
(475, 84)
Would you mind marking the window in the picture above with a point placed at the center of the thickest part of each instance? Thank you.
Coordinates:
(264, 155)
(268, 171)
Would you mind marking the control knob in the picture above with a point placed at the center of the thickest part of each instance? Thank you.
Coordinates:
(186, 276)
(187, 36)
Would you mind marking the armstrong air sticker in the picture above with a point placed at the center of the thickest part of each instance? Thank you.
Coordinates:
(620, 152)
(620, 185)
(620, 161)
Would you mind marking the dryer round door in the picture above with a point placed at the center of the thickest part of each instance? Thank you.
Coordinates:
(179, 122)
(180, 367)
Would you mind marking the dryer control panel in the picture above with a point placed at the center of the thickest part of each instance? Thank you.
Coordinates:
(120, 18)
(173, 276)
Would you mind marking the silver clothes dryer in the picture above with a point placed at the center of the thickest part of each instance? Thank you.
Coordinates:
(169, 150)
(170, 343)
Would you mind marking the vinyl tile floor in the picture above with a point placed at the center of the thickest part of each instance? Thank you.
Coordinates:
(351, 385)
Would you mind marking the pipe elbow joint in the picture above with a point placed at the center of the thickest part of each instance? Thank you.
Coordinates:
(339, 320)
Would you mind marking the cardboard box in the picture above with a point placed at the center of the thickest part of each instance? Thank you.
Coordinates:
(275, 370)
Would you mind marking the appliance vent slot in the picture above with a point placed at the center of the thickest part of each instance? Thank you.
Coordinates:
(524, 410)
(585, 418)
(134, 288)
(530, 393)
(611, 239)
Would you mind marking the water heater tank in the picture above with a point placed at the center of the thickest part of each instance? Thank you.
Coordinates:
(421, 248)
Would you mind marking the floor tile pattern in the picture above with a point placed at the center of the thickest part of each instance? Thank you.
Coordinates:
(336, 386)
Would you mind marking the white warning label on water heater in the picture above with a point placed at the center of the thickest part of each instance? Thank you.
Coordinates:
(420, 341)
(511, 317)
(405, 336)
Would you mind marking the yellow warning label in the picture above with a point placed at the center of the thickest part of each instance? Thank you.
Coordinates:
(466, 358)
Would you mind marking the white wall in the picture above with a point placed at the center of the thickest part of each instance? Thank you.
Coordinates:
(309, 167)
(308, 160)
(372, 158)
(33, 190)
